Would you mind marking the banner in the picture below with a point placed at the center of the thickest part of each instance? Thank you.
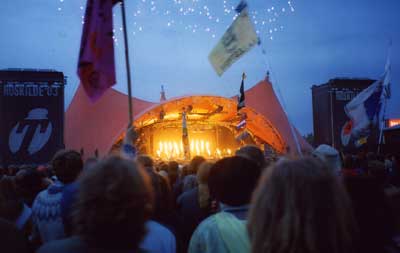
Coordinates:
(32, 116)
(96, 67)
(237, 40)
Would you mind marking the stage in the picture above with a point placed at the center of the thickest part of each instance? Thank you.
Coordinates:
(212, 124)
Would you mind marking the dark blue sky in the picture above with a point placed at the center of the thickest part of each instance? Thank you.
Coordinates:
(320, 40)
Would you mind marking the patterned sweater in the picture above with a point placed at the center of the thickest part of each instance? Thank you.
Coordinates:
(46, 214)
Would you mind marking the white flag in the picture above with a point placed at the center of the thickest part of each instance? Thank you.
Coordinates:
(237, 40)
(365, 108)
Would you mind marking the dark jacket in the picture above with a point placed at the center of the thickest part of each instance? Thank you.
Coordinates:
(75, 245)
(12, 240)
(190, 213)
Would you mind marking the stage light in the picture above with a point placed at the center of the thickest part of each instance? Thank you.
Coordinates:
(173, 149)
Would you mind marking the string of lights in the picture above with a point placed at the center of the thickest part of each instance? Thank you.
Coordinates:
(201, 16)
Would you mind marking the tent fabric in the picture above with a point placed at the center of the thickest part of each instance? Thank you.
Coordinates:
(262, 98)
(94, 126)
(97, 126)
(212, 110)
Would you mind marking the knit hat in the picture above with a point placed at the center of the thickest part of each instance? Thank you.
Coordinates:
(329, 155)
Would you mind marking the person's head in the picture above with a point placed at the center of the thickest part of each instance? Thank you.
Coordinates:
(195, 163)
(7, 188)
(300, 206)
(253, 153)
(10, 203)
(164, 174)
(163, 198)
(185, 171)
(371, 211)
(145, 162)
(161, 190)
(202, 179)
(232, 180)
(113, 205)
(29, 183)
(162, 167)
(67, 165)
(330, 156)
(12, 239)
(204, 172)
(173, 172)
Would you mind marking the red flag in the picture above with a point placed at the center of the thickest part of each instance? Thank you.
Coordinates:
(96, 68)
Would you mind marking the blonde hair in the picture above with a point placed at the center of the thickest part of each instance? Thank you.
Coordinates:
(300, 206)
(202, 179)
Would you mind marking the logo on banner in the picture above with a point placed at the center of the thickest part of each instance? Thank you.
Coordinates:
(31, 134)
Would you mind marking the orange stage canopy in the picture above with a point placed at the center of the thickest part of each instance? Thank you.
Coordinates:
(100, 125)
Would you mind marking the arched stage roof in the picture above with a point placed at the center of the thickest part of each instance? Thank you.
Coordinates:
(211, 110)
(98, 126)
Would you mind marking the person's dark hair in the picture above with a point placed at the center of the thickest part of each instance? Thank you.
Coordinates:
(12, 239)
(254, 154)
(29, 183)
(185, 171)
(173, 172)
(145, 160)
(300, 206)
(372, 212)
(202, 178)
(10, 204)
(113, 205)
(163, 167)
(67, 164)
(195, 163)
(162, 206)
(232, 180)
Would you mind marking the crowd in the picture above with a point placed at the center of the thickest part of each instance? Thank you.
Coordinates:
(326, 202)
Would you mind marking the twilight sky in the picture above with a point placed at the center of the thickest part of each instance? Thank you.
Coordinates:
(306, 42)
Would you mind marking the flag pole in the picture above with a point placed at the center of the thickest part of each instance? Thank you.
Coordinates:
(382, 126)
(128, 72)
(385, 94)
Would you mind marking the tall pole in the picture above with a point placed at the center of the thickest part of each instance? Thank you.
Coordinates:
(382, 126)
(332, 121)
(385, 93)
(128, 68)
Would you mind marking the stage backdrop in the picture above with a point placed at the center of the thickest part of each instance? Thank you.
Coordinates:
(32, 116)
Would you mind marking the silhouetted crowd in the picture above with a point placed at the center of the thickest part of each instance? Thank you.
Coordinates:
(325, 202)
